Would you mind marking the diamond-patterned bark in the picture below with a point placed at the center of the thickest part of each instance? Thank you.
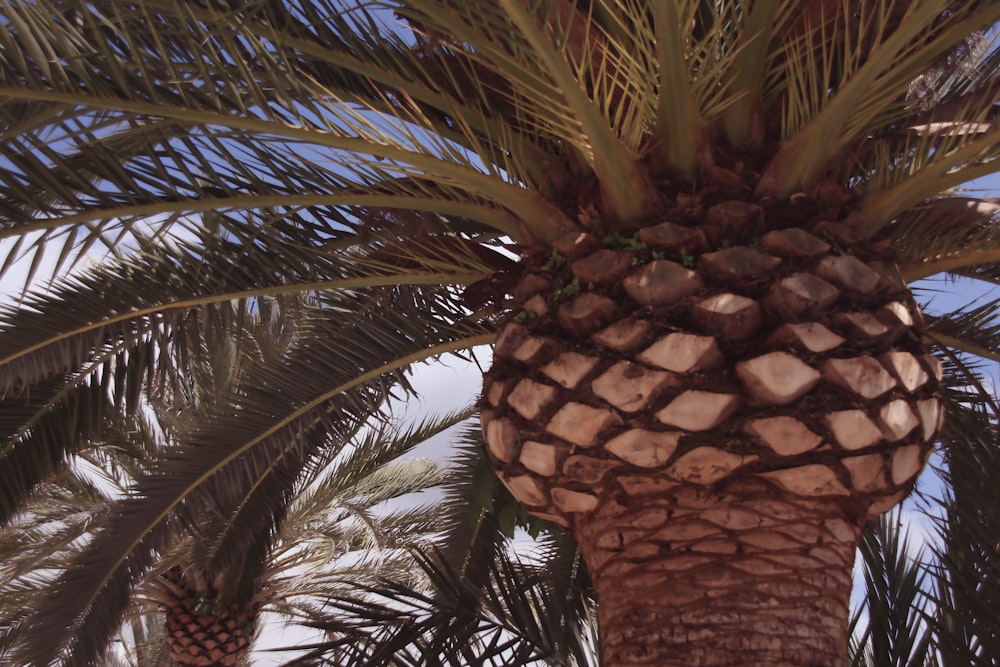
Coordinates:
(807, 336)
(668, 236)
(853, 429)
(808, 480)
(201, 631)
(864, 376)
(602, 394)
(728, 316)
(569, 368)
(906, 463)
(777, 378)
(786, 436)
(586, 314)
(683, 353)
(624, 335)
(907, 368)
(848, 272)
(896, 313)
(501, 438)
(860, 325)
(528, 489)
(696, 410)
(897, 420)
(867, 472)
(705, 465)
(930, 416)
(662, 283)
(628, 386)
(739, 263)
(580, 424)
(529, 398)
(794, 242)
(644, 448)
(602, 267)
(568, 501)
(539, 457)
(687, 405)
(801, 295)
(587, 469)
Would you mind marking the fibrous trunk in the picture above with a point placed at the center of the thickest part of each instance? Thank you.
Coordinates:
(713, 405)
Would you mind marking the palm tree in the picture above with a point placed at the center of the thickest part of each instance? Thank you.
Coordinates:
(334, 542)
(332, 526)
(689, 227)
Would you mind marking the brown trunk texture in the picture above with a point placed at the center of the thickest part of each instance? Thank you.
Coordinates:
(200, 629)
(713, 406)
(218, 639)
(738, 577)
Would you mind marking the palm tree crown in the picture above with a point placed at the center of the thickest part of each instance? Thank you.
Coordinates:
(330, 525)
(689, 226)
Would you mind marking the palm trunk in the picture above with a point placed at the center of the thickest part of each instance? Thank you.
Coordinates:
(714, 430)
(199, 629)
(736, 577)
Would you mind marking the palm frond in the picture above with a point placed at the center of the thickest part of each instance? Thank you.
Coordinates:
(678, 119)
(973, 329)
(888, 627)
(517, 620)
(749, 84)
(260, 446)
(233, 516)
(616, 169)
(75, 356)
(966, 566)
(832, 63)
(47, 436)
(142, 642)
(946, 235)
(217, 158)
(181, 48)
(136, 297)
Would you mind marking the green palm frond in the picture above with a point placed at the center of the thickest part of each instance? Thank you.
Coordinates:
(142, 644)
(973, 330)
(518, 618)
(295, 113)
(833, 61)
(102, 363)
(406, 110)
(482, 515)
(49, 427)
(139, 296)
(888, 626)
(966, 567)
(950, 234)
(486, 605)
(248, 449)
(235, 519)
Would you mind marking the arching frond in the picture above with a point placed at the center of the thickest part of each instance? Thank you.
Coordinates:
(889, 627)
(947, 234)
(973, 330)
